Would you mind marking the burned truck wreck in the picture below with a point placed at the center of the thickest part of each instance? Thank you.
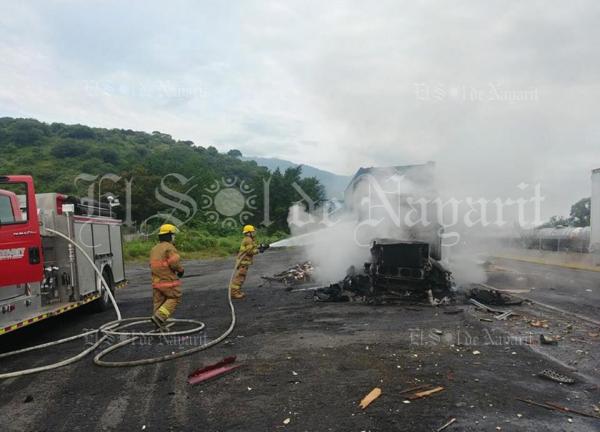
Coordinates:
(398, 270)
(387, 236)
(405, 258)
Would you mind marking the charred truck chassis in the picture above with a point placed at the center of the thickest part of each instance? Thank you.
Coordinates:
(402, 270)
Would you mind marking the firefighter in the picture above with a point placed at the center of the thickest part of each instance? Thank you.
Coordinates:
(166, 274)
(248, 249)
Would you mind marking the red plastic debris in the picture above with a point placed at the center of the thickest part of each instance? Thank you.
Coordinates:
(212, 371)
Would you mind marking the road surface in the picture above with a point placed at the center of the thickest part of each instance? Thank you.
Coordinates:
(576, 291)
(306, 367)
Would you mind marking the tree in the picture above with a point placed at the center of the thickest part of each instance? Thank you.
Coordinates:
(235, 153)
(27, 132)
(80, 132)
(579, 216)
(68, 149)
(580, 213)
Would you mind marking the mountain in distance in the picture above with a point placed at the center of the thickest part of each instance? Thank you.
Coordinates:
(334, 184)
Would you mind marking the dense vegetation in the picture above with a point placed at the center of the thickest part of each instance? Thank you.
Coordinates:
(197, 244)
(55, 154)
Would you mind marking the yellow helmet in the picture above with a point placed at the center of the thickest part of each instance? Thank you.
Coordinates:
(248, 229)
(168, 229)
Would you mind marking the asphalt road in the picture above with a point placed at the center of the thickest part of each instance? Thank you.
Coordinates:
(576, 291)
(306, 367)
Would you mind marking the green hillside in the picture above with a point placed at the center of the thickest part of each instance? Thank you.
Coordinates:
(55, 154)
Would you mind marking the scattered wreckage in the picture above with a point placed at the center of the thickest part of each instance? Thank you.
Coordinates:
(491, 296)
(398, 270)
(295, 275)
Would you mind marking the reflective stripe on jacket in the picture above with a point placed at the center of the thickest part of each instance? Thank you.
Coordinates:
(165, 262)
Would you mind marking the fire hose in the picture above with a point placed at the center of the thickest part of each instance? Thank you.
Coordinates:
(115, 329)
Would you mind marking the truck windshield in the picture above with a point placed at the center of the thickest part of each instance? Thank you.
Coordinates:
(13, 203)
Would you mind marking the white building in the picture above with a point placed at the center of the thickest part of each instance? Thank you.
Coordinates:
(595, 216)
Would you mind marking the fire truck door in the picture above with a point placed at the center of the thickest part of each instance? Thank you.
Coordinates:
(20, 242)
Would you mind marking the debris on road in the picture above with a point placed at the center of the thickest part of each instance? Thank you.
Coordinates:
(556, 407)
(453, 311)
(487, 308)
(544, 340)
(556, 376)
(417, 388)
(220, 368)
(445, 425)
(494, 297)
(28, 399)
(287, 421)
(397, 271)
(504, 315)
(333, 293)
(295, 275)
(426, 393)
(539, 323)
(569, 410)
(373, 394)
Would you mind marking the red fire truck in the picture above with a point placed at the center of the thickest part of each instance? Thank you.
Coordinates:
(43, 274)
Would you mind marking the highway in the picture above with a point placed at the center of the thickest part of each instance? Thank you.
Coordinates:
(575, 291)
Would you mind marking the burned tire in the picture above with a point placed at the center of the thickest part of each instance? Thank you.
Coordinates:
(104, 303)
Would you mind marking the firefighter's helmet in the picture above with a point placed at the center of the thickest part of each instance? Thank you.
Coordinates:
(248, 229)
(168, 229)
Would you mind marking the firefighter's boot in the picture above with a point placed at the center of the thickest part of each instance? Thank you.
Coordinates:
(159, 323)
(237, 294)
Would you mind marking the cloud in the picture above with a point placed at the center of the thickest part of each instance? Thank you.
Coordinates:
(496, 92)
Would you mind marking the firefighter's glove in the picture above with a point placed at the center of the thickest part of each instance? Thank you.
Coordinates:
(180, 274)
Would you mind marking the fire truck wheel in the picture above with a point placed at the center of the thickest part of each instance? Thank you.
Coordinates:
(103, 303)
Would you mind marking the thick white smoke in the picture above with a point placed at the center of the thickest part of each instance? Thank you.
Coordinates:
(332, 249)
(375, 208)
(387, 204)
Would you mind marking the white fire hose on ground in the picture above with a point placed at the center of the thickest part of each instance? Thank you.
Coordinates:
(116, 327)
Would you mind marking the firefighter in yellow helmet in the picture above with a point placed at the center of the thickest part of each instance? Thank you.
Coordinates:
(248, 249)
(165, 264)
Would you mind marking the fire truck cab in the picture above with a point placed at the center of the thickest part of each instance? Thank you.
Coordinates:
(42, 274)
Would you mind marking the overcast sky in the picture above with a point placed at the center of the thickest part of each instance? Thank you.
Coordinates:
(496, 92)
